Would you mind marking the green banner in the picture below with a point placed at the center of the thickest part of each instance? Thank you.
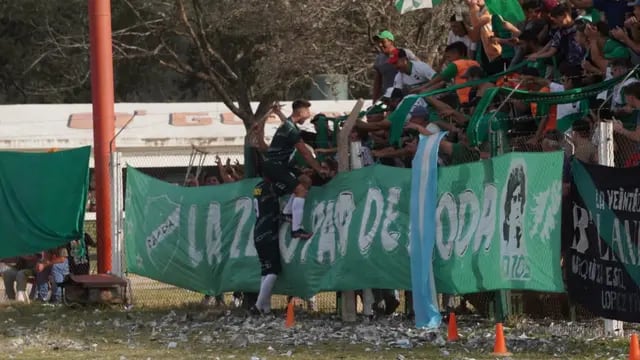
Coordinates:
(202, 238)
(42, 199)
(498, 224)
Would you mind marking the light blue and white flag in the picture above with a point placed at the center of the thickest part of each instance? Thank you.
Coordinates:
(424, 196)
(404, 6)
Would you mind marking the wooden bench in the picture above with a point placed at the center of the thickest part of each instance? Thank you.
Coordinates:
(95, 289)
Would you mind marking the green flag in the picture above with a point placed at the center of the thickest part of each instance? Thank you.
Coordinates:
(405, 6)
(42, 199)
(509, 10)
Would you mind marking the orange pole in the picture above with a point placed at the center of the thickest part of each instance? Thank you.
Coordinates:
(103, 122)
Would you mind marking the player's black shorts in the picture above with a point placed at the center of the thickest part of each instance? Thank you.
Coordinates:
(267, 227)
(283, 177)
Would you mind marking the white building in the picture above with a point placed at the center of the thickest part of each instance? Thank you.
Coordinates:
(151, 135)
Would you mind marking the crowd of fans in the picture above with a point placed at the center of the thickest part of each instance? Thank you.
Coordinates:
(560, 46)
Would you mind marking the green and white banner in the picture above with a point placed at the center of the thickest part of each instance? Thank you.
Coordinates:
(497, 228)
(498, 224)
(202, 238)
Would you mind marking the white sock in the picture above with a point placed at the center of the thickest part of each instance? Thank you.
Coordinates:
(298, 210)
(287, 207)
(264, 297)
(258, 304)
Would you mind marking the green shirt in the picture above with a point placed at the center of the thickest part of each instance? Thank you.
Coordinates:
(283, 142)
(449, 72)
(615, 50)
(594, 14)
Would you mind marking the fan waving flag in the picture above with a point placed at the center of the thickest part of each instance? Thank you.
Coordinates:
(404, 6)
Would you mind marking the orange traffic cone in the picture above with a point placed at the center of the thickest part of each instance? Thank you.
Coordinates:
(634, 348)
(500, 347)
(452, 333)
(290, 321)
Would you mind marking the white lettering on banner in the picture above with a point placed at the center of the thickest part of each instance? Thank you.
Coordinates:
(331, 221)
(165, 229)
(333, 218)
(244, 205)
(344, 213)
(624, 236)
(250, 250)
(465, 222)
(580, 241)
(616, 241)
(195, 255)
(374, 197)
(467, 200)
(547, 206)
(213, 236)
(287, 251)
(620, 301)
(390, 238)
(328, 218)
(487, 225)
(446, 207)
(619, 200)
(324, 225)
(587, 269)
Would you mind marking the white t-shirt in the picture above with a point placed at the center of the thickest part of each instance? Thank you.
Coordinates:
(421, 73)
(388, 71)
(616, 99)
(564, 109)
(464, 39)
(608, 76)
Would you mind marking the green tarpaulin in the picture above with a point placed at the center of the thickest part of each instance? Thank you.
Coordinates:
(42, 199)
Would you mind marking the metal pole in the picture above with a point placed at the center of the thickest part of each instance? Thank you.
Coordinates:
(117, 212)
(347, 298)
(103, 121)
(502, 297)
(606, 158)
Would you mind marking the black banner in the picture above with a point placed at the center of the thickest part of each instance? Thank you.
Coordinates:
(602, 256)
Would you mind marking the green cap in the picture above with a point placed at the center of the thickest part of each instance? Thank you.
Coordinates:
(586, 18)
(386, 34)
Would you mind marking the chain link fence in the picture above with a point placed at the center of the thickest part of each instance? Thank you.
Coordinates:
(580, 142)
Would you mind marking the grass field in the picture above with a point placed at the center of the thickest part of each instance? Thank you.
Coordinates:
(194, 332)
(168, 323)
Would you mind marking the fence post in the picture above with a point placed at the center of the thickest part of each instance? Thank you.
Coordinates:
(356, 163)
(117, 202)
(604, 135)
(502, 297)
(347, 298)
